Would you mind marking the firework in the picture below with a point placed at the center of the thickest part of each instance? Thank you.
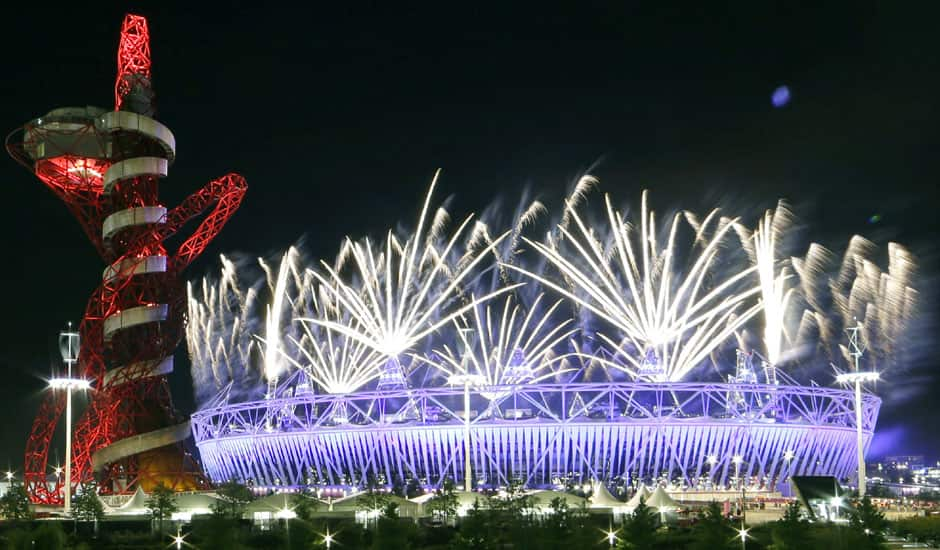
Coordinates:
(666, 319)
(506, 346)
(762, 246)
(401, 293)
(220, 333)
(637, 296)
(857, 292)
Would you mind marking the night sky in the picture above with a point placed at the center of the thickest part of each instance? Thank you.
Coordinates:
(339, 116)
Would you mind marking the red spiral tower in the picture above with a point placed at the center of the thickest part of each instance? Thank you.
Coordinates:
(106, 167)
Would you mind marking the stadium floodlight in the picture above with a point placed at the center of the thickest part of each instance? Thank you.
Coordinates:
(466, 380)
(857, 377)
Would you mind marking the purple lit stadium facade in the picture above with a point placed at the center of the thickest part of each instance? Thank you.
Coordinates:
(698, 436)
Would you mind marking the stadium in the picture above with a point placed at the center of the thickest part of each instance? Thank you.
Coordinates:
(603, 352)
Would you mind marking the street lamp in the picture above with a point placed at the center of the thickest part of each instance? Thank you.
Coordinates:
(68, 347)
(466, 380)
(328, 539)
(9, 475)
(857, 377)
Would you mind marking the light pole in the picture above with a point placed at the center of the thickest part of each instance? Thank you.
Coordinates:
(466, 380)
(68, 347)
(286, 514)
(737, 460)
(857, 377)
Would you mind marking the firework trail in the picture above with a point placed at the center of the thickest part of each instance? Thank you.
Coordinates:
(763, 249)
(219, 334)
(857, 292)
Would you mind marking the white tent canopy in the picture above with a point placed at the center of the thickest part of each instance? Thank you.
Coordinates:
(601, 498)
(661, 501)
(642, 495)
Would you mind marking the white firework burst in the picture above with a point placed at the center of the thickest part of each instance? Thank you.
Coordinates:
(506, 346)
(666, 320)
(400, 293)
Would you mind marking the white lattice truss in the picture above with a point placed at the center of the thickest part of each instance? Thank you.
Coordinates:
(696, 434)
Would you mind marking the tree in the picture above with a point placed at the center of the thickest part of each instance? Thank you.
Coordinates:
(476, 530)
(373, 500)
(391, 533)
(515, 502)
(713, 530)
(14, 504)
(161, 503)
(444, 502)
(86, 506)
(792, 530)
(868, 519)
(48, 536)
(304, 505)
(639, 529)
(233, 498)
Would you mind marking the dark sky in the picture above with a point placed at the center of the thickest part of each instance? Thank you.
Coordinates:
(338, 117)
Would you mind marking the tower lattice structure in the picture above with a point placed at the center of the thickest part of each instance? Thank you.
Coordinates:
(106, 167)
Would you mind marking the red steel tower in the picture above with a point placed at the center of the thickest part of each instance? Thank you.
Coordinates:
(106, 167)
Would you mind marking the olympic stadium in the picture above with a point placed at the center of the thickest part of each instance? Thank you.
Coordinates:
(485, 354)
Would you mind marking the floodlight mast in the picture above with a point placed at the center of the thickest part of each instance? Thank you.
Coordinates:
(858, 376)
(466, 380)
(68, 347)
